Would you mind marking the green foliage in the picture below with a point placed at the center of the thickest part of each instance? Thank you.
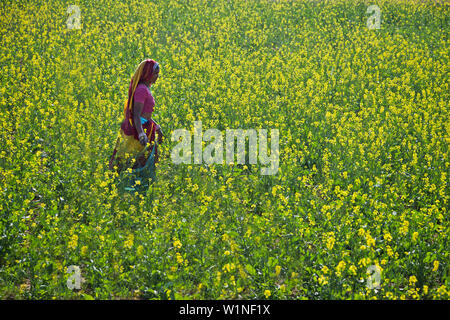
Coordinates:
(363, 178)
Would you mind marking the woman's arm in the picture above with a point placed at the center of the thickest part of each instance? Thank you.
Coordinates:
(137, 111)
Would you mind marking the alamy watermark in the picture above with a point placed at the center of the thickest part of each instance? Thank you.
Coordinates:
(213, 152)
(74, 280)
(74, 20)
(374, 21)
(374, 279)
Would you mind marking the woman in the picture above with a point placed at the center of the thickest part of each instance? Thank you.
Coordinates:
(138, 128)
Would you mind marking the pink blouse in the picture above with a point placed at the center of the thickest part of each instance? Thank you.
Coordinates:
(144, 95)
(141, 94)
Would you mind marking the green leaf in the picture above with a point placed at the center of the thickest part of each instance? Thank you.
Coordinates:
(250, 270)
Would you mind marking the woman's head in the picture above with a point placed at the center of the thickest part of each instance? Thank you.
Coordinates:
(150, 71)
(155, 73)
(147, 72)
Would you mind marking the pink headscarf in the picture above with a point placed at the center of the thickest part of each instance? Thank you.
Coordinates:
(144, 73)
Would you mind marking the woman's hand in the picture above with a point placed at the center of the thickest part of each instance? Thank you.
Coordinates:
(143, 139)
(137, 111)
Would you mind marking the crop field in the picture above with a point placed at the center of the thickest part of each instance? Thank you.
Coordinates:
(357, 207)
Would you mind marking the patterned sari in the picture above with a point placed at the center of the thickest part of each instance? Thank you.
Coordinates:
(128, 147)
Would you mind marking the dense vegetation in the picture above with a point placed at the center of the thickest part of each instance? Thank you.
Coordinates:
(364, 136)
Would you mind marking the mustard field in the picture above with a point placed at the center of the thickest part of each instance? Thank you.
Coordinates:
(357, 209)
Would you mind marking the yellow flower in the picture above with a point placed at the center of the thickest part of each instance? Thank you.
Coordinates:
(274, 190)
(229, 267)
(24, 287)
(129, 242)
(412, 280)
(325, 270)
(352, 269)
(267, 293)
(364, 261)
(442, 291)
(330, 240)
(73, 242)
(340, 267)
(277, 270)
(323, 280)
(177, 244)
(435, 265)
(369, 240)
(330, 243)
(404, 227)
(425, 289)
(388, 237)
(84, 250)
(389, 250)
(227, 253)
(242, 272)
